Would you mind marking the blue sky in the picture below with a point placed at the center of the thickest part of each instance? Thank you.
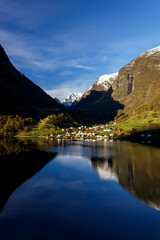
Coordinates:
(65, 45)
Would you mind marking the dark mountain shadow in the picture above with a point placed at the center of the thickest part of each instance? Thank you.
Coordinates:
(17, 165)
(141, 136)
(19, 95)
(99, 106)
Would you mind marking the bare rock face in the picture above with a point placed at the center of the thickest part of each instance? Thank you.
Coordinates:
(138, 83)
(136, 87)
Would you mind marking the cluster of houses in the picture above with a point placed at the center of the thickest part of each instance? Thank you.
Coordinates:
(94, 133)
(101, 132)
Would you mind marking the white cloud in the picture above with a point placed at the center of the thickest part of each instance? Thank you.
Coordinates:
(81, 66)
(104, 59)
(51, 53)
(66, 73)
(39, 54)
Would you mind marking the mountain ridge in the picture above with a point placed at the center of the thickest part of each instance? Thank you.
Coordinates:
(136, 87)
(19, 95)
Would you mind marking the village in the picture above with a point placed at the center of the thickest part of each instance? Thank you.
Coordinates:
(84, 133)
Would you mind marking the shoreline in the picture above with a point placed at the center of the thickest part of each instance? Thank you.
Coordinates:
(136, 139)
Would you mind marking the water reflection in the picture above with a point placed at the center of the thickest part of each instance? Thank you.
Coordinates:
(104, 168)
(79, 194)
(19, 161)
(136, 167)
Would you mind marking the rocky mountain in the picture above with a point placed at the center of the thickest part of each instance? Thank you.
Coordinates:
(135, 88)
(97, 102)
(73, 98)
(103, 83)
(19, 95)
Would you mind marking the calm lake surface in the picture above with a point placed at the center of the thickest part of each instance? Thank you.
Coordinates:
(79, 190)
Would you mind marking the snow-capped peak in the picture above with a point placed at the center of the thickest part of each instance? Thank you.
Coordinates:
(87, 91)
(103, 83)
(152, 51)
(104, 79)
(74, 97)
(71, 98)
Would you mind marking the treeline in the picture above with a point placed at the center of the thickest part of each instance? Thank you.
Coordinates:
(11, 125)
(60, 120)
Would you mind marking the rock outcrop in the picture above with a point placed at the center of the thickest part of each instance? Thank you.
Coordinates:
(135, 88)
(103, 83)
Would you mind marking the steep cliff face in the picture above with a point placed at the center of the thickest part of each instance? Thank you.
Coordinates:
(19, 95)
(137, 86)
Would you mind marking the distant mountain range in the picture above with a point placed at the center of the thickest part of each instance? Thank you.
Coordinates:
(72, 97)
(70, 100)
(134, 89)
(19, 95)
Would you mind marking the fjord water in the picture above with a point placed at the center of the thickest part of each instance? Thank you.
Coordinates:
(79, 190)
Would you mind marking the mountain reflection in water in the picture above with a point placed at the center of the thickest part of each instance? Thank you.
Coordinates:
(81, 194)
(19, 161)
(136, 167)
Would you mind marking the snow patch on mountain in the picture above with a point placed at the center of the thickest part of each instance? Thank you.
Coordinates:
(154, 51)
(71, 99)
(103, 83)
(106, 80)
(87, 92)
(74, 96)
